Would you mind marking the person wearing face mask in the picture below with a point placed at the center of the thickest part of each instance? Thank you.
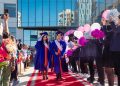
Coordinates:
(57, 51)
(108, 65)
(42, 55)
(115, 49)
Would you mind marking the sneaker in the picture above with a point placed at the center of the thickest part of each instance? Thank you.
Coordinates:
(90, 79)
(85, 75)
(98, 84)
(81, 75)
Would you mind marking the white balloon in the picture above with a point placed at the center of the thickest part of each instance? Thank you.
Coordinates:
(95, 26)
(78, 34)
(66, 38)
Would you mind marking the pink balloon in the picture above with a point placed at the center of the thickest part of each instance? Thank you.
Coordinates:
(86, 27)
(105, 14)
(81, 28)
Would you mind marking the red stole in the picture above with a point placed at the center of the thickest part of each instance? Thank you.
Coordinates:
(59, 52)
(46, 57)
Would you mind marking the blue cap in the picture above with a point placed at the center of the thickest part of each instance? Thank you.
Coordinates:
(58, 32)
(43, 33)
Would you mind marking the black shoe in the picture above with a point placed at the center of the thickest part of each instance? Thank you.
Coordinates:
(60, 77)
(57, 76)
(101, 82)
(90, 79)
(43, 78)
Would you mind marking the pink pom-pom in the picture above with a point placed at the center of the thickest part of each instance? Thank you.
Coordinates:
(97, 34)
(69, 53)
(82, 41)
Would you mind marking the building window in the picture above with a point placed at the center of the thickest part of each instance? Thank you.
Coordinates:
(11, 9)
(12, 31)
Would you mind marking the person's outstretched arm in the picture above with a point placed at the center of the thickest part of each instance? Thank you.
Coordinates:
(6, 29)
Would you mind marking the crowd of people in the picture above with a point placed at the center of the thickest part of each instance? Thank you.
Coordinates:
(15, 57)
(97, 55)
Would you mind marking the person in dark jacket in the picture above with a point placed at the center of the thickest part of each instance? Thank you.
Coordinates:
(107, 60)
(115, 49)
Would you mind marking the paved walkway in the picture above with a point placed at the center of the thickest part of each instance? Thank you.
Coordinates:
(23, 80)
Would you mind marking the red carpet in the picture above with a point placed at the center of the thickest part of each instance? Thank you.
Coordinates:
(30, 80)
(68, 80)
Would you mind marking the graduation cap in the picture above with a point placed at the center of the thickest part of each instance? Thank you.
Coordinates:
(58, 32)
(43, 33)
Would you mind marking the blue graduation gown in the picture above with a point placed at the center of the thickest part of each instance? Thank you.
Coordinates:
(57, 62)
(40, 56)
(64, 64)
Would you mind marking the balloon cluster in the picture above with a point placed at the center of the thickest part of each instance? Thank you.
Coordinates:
(93, 31)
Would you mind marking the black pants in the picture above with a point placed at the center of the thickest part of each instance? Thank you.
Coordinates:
(100, 69)
(14, 74)
(25, 64)
(116, 59)
(91, 67)
(58, 76)
(73, 64)
(64, 65)
(83, 67)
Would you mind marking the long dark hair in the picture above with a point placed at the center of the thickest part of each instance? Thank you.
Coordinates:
(71, 37)
(43, 41)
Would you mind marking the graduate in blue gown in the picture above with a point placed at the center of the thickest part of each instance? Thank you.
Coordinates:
(42, 54)
(64, 64)
(57, 50)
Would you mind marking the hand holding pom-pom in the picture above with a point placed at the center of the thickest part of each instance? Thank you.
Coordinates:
(82, 41)
(97, 34)
(69, 53)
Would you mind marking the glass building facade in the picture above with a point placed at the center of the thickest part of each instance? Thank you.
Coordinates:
(40, 15)
(100, 5)
(44, 13)
(47, 13)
